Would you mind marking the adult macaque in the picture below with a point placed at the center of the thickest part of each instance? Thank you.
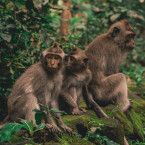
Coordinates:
(41, 83)
(74, 88)
(106, 54)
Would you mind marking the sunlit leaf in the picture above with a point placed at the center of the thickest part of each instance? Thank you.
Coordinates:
(9, 130)
(6, 37)
(39, 127)
(10, 26)
(54, 110)
(114, 17)
(26, 125)
(11, 70)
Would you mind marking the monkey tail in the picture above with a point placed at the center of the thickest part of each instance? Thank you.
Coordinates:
(92, 104)
(5, 121)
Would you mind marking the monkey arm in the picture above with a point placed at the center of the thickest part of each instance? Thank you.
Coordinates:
(91, 103)
(67, 98)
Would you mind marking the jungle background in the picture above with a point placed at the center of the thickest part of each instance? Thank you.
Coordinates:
(27, 27)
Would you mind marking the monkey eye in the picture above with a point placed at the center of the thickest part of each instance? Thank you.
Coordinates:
(131, 35)
(66, 58)
(72, 58)
(85, 60)
(56, 57)
(49, 56)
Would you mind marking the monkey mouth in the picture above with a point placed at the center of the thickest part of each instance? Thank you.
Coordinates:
(130, 48)
(68, 66)
(52, 69)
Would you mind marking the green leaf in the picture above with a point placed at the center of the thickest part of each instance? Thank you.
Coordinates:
(27, 125)
(37, 111)
(10, 26)
(11, 70)
(43, 106)
(74, 20)
(39, 127)
(9, 130)
(114, 17)
(38, 118)
(6, 37)
(31, 125)
(54, 110)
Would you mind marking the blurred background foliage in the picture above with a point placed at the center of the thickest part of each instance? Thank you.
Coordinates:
(29, 26)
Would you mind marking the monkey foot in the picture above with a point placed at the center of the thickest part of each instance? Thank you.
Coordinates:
(76, 111)
(83, 110)
(53, 128)
(67, 129)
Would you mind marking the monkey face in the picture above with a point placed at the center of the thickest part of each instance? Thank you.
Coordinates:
(123, 34)
(129, 43)
(75, 63)
(53, 61)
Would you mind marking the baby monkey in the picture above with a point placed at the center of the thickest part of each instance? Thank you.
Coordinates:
(76, 76)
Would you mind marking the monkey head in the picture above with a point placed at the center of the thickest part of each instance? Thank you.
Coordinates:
(52, 58)
(76, 60)
(123, 35)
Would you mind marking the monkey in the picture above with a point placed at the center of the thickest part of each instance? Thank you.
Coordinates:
(76, 75)
(40, 83)
(76, 78)
(106, 54)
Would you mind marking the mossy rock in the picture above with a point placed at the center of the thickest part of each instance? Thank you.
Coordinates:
(122, 124)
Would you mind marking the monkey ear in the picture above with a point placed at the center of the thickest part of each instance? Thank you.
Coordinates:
(116, 31)
(74, 48)
(55, 44)
(42, 56)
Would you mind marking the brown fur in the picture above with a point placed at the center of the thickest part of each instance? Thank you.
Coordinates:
(106, 54)
(38, 84)
(76, 78)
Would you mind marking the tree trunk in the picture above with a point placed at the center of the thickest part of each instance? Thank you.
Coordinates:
(65, 17)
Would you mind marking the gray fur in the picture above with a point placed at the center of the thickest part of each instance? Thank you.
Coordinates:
(38, 84)
(106, 54)
(74, 88)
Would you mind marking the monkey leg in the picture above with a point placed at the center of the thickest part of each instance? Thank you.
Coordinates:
(112, 89)
(22, 108)
(73, 106)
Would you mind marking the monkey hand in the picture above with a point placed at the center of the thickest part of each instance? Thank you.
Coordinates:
(67, 129)
(53, 128)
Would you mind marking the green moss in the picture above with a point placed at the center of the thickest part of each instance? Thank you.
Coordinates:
(130, 123)
(75, 140)
(137, 123)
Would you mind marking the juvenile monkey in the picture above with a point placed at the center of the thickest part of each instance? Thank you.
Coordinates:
(41, 83)
(76, 78)
(106, 54)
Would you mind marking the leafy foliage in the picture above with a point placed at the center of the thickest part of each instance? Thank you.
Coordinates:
(24, 32)
(27, 27)
(10, 129)
(39, 113)
(100, 139)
